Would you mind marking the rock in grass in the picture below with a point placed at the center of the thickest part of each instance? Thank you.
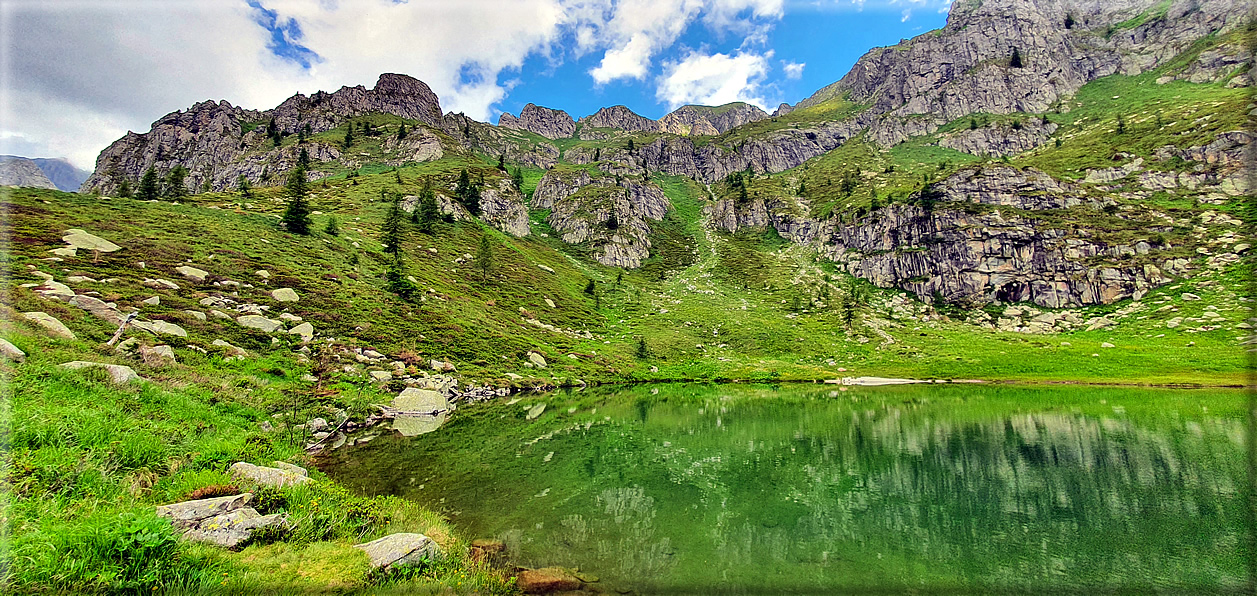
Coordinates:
(305, 330)
(51, 324)
(259, 322)
(11, 352)
(153, 301)
(295, 469)
(159, 327)
(82, 240)
(535, 411)
(98, 308)
(159, 354)
(55, 290)
(192, 273)
(537, 360)
(223, 521)
(285, 295)
(263, 476)
(400, 549)
(548, 579)
(119, 373)
(1106, 345)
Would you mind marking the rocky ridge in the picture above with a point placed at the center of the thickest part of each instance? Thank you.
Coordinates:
(551, 124)
(20, 171)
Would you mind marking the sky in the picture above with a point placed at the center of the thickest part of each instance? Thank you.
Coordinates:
(76, 75)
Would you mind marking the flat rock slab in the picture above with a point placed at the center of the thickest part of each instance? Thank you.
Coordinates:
(537, 360)
(51, 324)
(879, 381)
(546, 580)
(158, 327)
(77, 238)
(98, 308)
(55, 290)
(192, 273)
(11, 352)
(263, 476)
(420, 400)
(400, 549)
(285, 295)
(119, 373)
(259, 322)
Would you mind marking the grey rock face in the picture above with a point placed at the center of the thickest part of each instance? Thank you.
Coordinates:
(1000, 139)
(705, 120)
(614, 215)
(619, 117)
(551, 124)
(19, 171)
(503, 208)
(492, 140)
(400, 549)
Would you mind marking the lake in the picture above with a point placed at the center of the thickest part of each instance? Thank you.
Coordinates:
(804, 489)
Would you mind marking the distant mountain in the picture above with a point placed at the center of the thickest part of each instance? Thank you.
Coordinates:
(62, 173)
(20, 171)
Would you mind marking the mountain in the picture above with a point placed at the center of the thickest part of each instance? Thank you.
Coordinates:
(20, 171)
(965, 165)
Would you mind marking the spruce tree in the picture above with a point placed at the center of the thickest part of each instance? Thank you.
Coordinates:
(401, 132)
(124, 189)
(484, 257)
(427, 213)
(242, 186)
(612, 222)
(332, 228)
(641, 352)
(303, 159)
(391, 236)
(175, 187)
(297, 213)
(1015, 61)
(349, 137)
(517, 178)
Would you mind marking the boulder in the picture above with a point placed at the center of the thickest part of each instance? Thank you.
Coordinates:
(196, 314)
(546, 580)
(537, 360)
(295, 469)
(55, 328)
(235, 352)
(223, 521)
(192, 273)
(55, 290)
(535, 411)
(119, 373)
(380, 376)
(98, 308)
(80, 239)
(285, 295)
(153, 301)
(400, 549)
(11, 352)
(305, 330)
(159, 327)
(263, 476)
(158, 353)
(420, 400)
(259, 322)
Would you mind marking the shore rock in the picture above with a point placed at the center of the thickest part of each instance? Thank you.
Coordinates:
(546, 580)
(400, 549)
(263, 476)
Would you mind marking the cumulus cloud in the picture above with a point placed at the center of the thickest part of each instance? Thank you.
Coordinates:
(793, 70)
(714, 79)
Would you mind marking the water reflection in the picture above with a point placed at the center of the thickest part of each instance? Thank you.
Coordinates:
(749, 491)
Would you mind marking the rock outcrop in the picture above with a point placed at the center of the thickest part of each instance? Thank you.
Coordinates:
(612, 213)
(228, 521)
(551, 124)
(621, 118)
(999, 140)
(708, 120)
(20, 171)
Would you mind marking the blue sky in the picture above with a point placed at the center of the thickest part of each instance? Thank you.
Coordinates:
(78, 74)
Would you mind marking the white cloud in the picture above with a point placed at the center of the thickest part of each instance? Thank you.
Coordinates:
(714, 79)
(794, 70)
(907, 14)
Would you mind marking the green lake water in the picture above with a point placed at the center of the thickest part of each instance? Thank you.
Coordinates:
(805, 489)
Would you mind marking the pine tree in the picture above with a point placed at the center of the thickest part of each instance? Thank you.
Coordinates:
(484, 257)
(642, 351)
(297, 213)
(332, 228)
(612, 222)
(502, 162)
(468, 194)
(630, 145)
(590, 288)
(303, 159)
(175, 187)
(397, 175)
(124, 189)
(242, 186)
(1069, 20)
(1121, 124)
(427, 213)
(396, 278)
(401, 132)
(349, 137)
(1015, 61)
(391, 236)
(517, 178)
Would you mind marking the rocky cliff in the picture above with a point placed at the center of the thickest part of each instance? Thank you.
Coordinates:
(611, 213)
(551, 124)
(218, 142)
(20, 171)
(707, 120)
(619, 117)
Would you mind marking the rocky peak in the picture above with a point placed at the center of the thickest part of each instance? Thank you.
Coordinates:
(619, 117)
(20, 171)
(551, 124)
(707, 120)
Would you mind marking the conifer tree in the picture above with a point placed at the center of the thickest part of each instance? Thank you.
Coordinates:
(124, 189)
(242, 186)
(332, 228)
(642, 351)
(612, 222)
(297, 213)
(391, 236)
(175, 187)
(1015, 61)
(427, 212)
(401, 132)
(303, 159)
(484, 257)
(349, 137)
(517, 178)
